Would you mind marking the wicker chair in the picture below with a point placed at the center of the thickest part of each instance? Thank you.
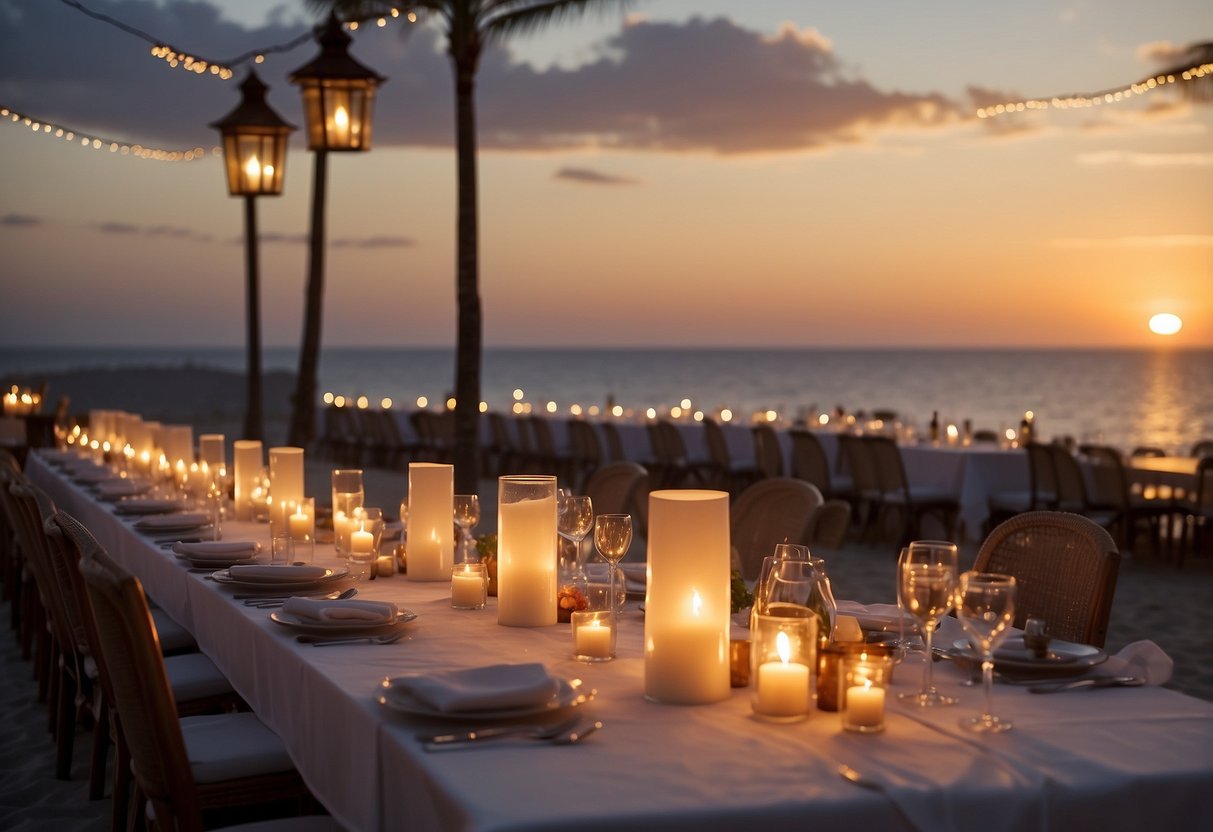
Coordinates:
(768, 455)
(865, 495)
(614, 442)
(720, 471)
(612, 488)
(810, 463)
(911, 505)
(585, 452)
(774, 510)
(1066, 567)
(1202, 448)
(182, 766)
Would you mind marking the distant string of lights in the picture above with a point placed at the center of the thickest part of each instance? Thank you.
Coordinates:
(1096, 99)
(91, 140)
(223, 70)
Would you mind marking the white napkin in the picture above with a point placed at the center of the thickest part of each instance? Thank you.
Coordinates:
(495, 687)
(286, 574)
(173, 521)
(112, 490)
(1143, 659)
(875, 616)
(352, 611)
(224, 550)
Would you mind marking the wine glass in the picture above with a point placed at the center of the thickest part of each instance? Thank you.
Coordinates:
(467, 515)
(575, 518)
(927, 586)
(985, 605)
(612, 538)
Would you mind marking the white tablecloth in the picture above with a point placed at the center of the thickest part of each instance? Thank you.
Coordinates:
(1114, 759)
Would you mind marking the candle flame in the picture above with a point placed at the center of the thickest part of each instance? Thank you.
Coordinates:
(783, 646)
(342, 118)
(696, 602)
(252, 167)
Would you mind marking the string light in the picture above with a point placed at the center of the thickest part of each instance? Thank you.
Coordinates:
(223, 70)
(59, 131)
(1097, 99)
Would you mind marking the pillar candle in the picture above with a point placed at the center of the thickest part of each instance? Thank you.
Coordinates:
(864, 706)
(592, 638)
(526, 551)
(211, 449)
(361, 542)
(468, 586)
(247, 463)
(782, 687)
(286, 482)
(301, 525)
(431, 527)
(686, 626)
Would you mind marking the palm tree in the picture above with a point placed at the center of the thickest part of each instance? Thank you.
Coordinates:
(470, 26)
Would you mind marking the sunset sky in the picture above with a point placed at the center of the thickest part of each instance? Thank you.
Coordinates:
(697, 172)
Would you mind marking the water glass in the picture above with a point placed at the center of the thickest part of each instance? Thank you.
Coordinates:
(348, 494)
(985, 605)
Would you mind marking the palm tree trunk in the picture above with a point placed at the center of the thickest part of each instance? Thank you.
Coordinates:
(252, 403)
(303, 415)
(469, 327)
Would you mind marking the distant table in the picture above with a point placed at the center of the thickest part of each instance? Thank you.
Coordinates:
(1174, 471)
(1117, 759)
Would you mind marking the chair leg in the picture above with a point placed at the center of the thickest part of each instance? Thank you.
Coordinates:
(65, 727)
(100, 752)
(121, 816)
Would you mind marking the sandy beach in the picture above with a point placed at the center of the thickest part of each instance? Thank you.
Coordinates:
(1154, 599)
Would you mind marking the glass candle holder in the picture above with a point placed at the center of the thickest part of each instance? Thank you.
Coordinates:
(739, 662)
(830, 665)
(348, 494)
(783, 652)
(593, 635)
(469, 586)
(862, 684)
(364, 542)
(526, 550)
(301, 523)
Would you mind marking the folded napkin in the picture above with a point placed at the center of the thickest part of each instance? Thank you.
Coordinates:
(1143, 659)
(147, 505)
(875, 616)
(351, 611)
(277, 573)
(112, 490)
(173, 521)
(495, 687)
(224, 550)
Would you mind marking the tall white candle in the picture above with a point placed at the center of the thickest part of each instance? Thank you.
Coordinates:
(686, 625)
(211, 449)
(526, 551)
(246, 464)
(431, 526)
(782, 686)
(286, 482)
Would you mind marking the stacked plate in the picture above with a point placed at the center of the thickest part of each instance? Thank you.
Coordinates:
(340, 617)
(148, 505)
(216, 554)
(279, 578)
(1063, 658)
(506, 692)
(172, 523)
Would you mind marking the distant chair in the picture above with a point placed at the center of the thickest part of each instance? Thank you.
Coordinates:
(547, 457)
(913, 505)
(669, 465)
(384, 443)
(612, 488)
(1065, 567)
(985, 437)
(1041, 493)
(865, 497)
(1202, 449)
(720, 471)
(810, 463)
(1148, 451)
(614, 442)
(1072, 493)
(1198, 512)
(768, 455)
(501, 450)
(1111, 492)
(585, 451)
(773, 510)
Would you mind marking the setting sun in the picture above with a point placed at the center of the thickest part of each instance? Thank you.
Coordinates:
(1164, 323)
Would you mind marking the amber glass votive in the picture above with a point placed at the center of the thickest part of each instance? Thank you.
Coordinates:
(862, 684)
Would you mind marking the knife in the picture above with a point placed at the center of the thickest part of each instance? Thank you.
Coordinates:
(1091, 683)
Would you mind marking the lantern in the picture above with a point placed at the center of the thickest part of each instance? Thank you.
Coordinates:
(254, 143)
(338, 93)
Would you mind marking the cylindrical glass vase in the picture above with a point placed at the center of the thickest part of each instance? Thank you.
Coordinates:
(526, 551)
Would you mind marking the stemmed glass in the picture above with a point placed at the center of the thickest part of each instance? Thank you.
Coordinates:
(985, 605)
(575, 518)
(612, 538)
(467, 515)
(927, 586)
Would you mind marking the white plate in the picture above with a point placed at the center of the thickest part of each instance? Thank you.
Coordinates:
(217, 562)
(568, 695)
(222, 576)
(147, 505)
(1064, 657)
(318, 628)
(172, 522)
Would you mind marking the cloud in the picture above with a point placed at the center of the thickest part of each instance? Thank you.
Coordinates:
(593, 177)
(1162, 52)
(278, 237)
(703, 85)
(374, 242)
(1130, 241)
(20, 220)
(1145, 160)
(116, 228)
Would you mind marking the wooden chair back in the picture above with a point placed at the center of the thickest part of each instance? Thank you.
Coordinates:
(773, 510)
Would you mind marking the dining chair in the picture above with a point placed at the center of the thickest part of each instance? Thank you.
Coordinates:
(501, 454)
(547, 456)
(614, 442)
(720, 470)
(585, 451)
(1072, 492)
(183, 766)
(1041, 493)
(1148, 451)
(1202, 448)
(811, 464)
(1198, 513)
(912, 505)
(865, 495)
(197, 685)
(773, 510)
(10, 552)
(612, 487)
(1111, 491)
(768, 454)
(1065, 567)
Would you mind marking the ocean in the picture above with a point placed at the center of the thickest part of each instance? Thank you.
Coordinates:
(1126, 398)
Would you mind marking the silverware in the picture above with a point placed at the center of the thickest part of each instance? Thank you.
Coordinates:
(534, 732)
(1090, 683)
(871, 784)
(322, 641)
(282, 596)
(272, 603)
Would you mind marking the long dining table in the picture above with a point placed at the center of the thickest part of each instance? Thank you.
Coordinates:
(1110, 759)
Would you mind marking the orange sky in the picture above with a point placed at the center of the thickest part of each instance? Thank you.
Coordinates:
(1073, 228)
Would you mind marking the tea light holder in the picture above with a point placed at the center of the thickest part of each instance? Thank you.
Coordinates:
(783, 651)
(301, 521)
(739, 662)
(469, 586)
(862, 684)
(593, 635)
(830, 662)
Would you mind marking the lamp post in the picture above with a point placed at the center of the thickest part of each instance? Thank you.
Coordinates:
(254, 155)
(338, 100)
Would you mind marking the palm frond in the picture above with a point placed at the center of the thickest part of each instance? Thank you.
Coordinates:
(505, 18)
